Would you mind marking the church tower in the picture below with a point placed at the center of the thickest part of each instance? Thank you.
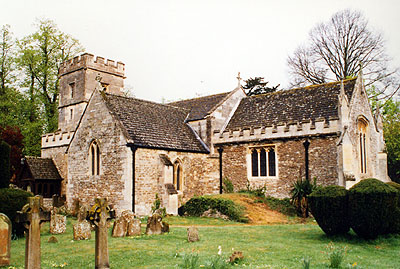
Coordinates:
(78, 81)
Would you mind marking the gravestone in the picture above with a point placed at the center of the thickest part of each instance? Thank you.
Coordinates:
(58, 223)
(193, 234)
(99, 215)
(120, 227)
(134, 227)
(5, 240)
(82, 228)
(31, 216)
(126, 225)
(155, 225)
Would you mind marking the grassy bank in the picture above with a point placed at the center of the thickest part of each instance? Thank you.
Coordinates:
(273, 246)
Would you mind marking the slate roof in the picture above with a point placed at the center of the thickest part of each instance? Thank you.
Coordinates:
(308, 103)
(154, 125)
(42, 168)
(199, 107)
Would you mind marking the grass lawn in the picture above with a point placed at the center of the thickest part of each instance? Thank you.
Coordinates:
(271, 246)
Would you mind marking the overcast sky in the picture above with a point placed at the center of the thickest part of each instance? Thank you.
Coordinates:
(183, 49)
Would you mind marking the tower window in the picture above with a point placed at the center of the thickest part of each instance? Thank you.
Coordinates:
(72, 89)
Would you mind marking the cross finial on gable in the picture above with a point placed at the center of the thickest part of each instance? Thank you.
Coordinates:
(239, 79)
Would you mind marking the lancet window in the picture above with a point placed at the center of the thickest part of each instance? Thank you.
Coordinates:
(94, 158)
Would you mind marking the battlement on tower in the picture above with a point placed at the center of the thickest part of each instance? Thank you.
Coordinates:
(90, 61)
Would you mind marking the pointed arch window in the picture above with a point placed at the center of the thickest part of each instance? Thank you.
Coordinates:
(178, 176)
(94, 158)
(362, 128)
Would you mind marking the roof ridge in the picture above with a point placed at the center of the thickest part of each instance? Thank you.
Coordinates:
(309, 87)
(199, 97)
(145, 101)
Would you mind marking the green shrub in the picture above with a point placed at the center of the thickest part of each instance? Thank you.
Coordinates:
(4, 164)
(198, 205)
(283, 206)
(329, 206)
(397, 187)
(372, 208)
(228, 185)
(11, 201)
(299, 195)
(257, 191)
(396, 221)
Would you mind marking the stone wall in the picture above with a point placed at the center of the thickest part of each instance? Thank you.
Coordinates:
(60, 158)
(290, 156)
(200, 176)
(359, 108)
(115, 179)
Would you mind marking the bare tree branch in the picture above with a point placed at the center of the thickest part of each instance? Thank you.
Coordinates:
(336, 49)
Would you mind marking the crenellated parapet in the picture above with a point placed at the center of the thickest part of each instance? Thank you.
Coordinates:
(57, 139)
(90, 61)
(320, 126)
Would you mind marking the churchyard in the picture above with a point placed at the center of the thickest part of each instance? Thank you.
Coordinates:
(263, 246)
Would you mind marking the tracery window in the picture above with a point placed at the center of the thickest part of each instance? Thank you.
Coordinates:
(263, 161)
(362, 140)
(178, 176)
(94, 158)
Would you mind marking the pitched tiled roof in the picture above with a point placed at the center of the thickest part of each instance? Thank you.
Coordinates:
(308, 103)
(201, 106)
(149, 124)
(43, 168)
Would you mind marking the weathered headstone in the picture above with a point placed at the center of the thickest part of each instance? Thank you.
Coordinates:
(58, 223)
(120, 227)
(5, 240)
(193, 234)
(126, 225)
(155, 225)
(32, 215)
(134, 227)
(82, 230)
(99, 215)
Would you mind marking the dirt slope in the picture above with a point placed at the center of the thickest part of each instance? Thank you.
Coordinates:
(258, 213)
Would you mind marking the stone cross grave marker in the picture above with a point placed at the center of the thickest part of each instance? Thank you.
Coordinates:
(5, 240)
(98, 215)
(31, 215)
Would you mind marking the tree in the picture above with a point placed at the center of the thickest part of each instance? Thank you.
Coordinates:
(338, 49)
(13, 137)
(40, 55)
(6, 58)
(391, 131)
(4, 164)
(257, 86)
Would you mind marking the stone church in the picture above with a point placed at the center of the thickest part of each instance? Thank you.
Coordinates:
(129, 150)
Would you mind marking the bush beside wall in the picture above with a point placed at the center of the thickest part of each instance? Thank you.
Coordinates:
(329, 206)
(11, 201)
(373, 206)
(198, 205)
